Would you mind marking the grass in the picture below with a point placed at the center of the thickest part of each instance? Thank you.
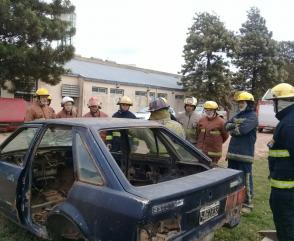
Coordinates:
(260, 218)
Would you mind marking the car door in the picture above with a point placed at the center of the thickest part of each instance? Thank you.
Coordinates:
(13, 155)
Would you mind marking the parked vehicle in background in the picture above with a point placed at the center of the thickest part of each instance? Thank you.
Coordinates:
(12, 113)
(64, 178)
(266, 114)
(144, 113)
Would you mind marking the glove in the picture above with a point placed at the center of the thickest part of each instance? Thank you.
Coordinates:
(230, 126)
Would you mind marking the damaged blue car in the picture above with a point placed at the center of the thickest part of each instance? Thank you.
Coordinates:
(113, 179)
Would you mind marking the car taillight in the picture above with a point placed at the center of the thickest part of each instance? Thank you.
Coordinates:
(235, 199)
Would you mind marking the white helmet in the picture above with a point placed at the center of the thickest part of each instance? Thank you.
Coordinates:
(67, 99)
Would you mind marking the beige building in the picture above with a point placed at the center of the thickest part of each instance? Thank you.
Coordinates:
(108, 81)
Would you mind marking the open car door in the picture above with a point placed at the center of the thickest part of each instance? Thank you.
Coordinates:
(13, 155)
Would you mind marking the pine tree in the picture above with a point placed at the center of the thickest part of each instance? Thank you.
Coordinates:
(207, 52)
(30, 31)
(258, 61)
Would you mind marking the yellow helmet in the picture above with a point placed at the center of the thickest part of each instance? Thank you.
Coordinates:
(125, 100)
(282, 91)
(210, 105)
(190, 101)
(49, 97)
(245, 96)
(42, 92)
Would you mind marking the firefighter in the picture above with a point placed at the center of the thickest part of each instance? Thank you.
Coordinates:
(124, 103)
(189, 119)
(211, 133)
(242, 128)
(159, 112)
(49, 98)
(68, 108)
(281, 162)
(39, 108)
(94, 105)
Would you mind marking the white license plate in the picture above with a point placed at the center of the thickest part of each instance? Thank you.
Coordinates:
(209, 212)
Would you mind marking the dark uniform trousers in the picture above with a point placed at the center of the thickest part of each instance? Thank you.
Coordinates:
(282, 206)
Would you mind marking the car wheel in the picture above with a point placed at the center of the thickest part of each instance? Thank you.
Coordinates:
(260, 129)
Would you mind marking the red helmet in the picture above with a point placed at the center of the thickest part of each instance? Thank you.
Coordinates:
(93, 101)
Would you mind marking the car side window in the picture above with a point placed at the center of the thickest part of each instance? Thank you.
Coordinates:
(87, 170)
(14, 151)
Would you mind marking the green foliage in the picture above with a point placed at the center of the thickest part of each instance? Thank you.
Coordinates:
(206, 71)
(258, 60)
(29, 31)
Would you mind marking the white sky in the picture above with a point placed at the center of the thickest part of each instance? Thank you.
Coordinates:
(152, 33)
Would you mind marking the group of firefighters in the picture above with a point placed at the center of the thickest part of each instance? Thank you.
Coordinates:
(209, 131)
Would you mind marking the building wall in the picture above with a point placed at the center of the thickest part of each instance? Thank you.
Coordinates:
(109, 100)
(141, 96)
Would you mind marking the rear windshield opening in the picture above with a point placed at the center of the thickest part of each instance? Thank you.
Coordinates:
(150, 155)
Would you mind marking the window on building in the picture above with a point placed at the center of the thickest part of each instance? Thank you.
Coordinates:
(141, 93)
(179, 97)
(164, 95)
(100, 90)
(117, 91)
(152, 94)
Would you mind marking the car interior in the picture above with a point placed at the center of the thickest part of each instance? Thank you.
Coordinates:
(151, 155)
(52, 174)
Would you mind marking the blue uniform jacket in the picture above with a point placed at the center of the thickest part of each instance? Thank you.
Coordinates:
(281, 154)
(242, 128)
(124, 114)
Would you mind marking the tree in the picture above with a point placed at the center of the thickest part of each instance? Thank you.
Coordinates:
(31, 33)
(286, 51)
(207, 52)
(258, 60)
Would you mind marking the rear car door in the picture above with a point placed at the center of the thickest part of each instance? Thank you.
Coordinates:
(13, 155)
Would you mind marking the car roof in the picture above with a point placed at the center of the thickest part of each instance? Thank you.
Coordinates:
(99, 123)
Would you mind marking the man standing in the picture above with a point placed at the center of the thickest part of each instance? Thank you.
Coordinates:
(159, 112)
(281, 162)
(189, 119)
(94, 105)
(124, 103)
(211, 133)
(240, 156)
(68, 108)
(40, 109)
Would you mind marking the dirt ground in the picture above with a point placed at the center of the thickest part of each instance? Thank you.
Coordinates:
(260, 146)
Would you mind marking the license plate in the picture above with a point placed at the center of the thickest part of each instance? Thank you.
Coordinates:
(209, 212)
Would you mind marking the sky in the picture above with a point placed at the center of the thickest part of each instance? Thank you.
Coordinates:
(151, 33)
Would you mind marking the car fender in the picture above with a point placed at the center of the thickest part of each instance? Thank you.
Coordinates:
(65, 213)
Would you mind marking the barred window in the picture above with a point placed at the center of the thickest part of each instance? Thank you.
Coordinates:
(141, 93)
(117, 91)
(179, 97)
(101, 90)
(164, 95)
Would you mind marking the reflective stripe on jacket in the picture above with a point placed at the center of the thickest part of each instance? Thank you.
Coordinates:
(211, 134)
(281, 152)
